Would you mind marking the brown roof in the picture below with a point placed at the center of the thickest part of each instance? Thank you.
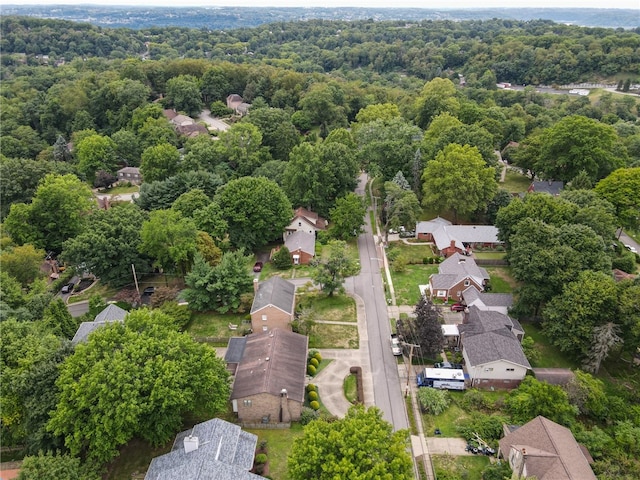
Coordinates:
(169, 113)
(272, 361)
(554, 376)
(550, 451)
(312, 217)
(619, 275)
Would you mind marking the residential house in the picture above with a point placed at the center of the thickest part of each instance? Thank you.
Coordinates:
(305, 221)
(544, 450)
(269, 384)
(547, 186)
(112, 313)
(456, 274)
(130, 174)
(450, 239)
(212, 450)
(273, 304)
(497, 302)
(491, 349)
(184, 125)
(302, 246)
(233, 355)
(236, 103)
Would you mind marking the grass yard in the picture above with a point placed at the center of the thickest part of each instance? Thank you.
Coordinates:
(515, 182)
(501, 280)
(216, 326)
(350, 388)
(550, 356)
(412, 253)
(338, 308)
(406, 283)
(467, 468)
(120, 189)
(327, 335)
(489, 255)
(105, 291)
(446, 421)
(134, 459)
(279, 444)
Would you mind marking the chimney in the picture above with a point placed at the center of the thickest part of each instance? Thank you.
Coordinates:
(255, 285)
(191, 444)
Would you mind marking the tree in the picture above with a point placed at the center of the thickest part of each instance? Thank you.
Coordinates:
(278, 133)
(183, 93)
(197, 281)
(161, 195)
(255, 209)
(159, 162)
(533, 398)
(334, 267)
(170, 239)
(59, 320)
(190, 202)
(136, 378)
(282, 258)
(109, 244)
(47, 466)
(241, 146)
(209, 219)
(433, 401)
(94, 153)
(127, 147)
(437, 96)
(23, 263)
(347, 217)
(588, 394)
(322, 107)
(428, 327)
(378, 111)
(208, 248)
(329, 450)
(622, 189)
(401, 207)
(458, 179)
(604, 338)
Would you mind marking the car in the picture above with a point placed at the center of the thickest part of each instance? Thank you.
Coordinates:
(149, 291)
(68, 288)
(257, 267)
(631, 249)
(455, 366)
(396, 348)
(458, 307)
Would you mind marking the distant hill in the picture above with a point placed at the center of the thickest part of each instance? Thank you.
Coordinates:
(220, 18)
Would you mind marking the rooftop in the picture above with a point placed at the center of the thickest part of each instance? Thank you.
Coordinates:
(276, 292)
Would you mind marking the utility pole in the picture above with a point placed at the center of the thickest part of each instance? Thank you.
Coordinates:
(410, 360)
(135, 279)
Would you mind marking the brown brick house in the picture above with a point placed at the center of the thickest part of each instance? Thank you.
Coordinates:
(302, 247)
(456, 274)
(273, 304)
(269, 384)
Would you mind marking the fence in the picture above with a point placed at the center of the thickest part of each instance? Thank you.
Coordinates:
(491, 262)
(266, 426)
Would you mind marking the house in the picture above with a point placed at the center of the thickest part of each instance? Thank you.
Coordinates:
(112, 313)
(269, 384)
(305, 221)
(273, 304)
(184, 125)
(236, 103)
(233, 355)
(450, 239)
(130, 174)
(212, 450)
(497, 302)
(544, 450)
(491, 349)
(547, 186)
(456, 274)
(302, 246)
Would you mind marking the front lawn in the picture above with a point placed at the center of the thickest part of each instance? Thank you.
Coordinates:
(98, 288)
(406, 283)
(279, 443)
(515, 182)
(468, 467)
(337, 308)
(326, 335)
(411, 253)
(120, 189)
(215, 326)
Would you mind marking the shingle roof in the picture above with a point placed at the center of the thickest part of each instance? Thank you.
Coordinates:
(311, 217)
(455, 269)
(471, 295)
(277, 292)
(235, 349)
(431, 226)
(271, 362)
(547, 186)
(134, 170)
(225, 452)
(494, 346)
(301, 241)
(550, 451)
(444, 232)
(112, 313)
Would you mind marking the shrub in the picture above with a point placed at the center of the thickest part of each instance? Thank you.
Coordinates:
(312, 396)
(282, 259)
(489, 427)
(315, 405)
(317, 356)
(433, 401)
(311, 370)
(307, 415)
(475, 400)
(312, 353)
(311, 388)
(314, 362)
(261, 458)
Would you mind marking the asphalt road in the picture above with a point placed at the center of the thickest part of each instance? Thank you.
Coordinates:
(384, 367)
(627, 240)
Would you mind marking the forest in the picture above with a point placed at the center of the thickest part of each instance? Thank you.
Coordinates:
(416, 106)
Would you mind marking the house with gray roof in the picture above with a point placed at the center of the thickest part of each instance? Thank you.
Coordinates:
(212, 450)
(273, 304)
(269, 384)
(112, 313)
(497, 302)
(456, 274)
(544, 450)
(450, 239)
(305, 221)
(301, 246)
(491, 349)
(233, 355)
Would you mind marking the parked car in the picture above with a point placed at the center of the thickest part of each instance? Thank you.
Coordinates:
(631, 249)
(257, 267)
(68, 288)
(458, 307)
(455, 366)
(396, 348)
(149, 291)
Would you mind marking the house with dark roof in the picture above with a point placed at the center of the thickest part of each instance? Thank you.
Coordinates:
(273, 304)
(456, 274)
(269, 382)
(183, 124)
(212, 450)
(305, 221)
(497, 302)
(112, 313)
(130, 174)
(546, 186)
(450, 239)
(302, 247)
(544, 450)
(491, 349)
(233, 355)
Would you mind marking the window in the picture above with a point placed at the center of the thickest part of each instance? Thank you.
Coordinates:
(441, 293)
(511, 369)
(264, 318)
(265, 328)
(247, 403)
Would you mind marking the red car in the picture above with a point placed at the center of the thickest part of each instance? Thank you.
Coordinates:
(458, 307)
(257, 267)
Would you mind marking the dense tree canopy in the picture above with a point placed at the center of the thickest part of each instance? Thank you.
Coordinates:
(622, 189)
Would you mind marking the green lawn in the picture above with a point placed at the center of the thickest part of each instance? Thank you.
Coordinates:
(515, 182)
(334, 336)
(134, 459)
(350, 388)
(406, 283)
(338, 308)
(489, 255)
(279, 444)
(216, 325)
(501, 280)
(120, 189)
(105, 291)
(412, 253)
(550, 356)
(467, 468)
(446, 421)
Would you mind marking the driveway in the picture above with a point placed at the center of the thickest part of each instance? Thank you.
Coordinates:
(212, 122)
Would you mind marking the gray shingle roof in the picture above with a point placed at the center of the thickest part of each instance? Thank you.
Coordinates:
(225, 452)
(277, 292)
(112, 313)
(301, 240)
(494, 346)
(271, 362)
(455, 269)
(471, 294)
(551, 187)
(444, 232)
(235, 349)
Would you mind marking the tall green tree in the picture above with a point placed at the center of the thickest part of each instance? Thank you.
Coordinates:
(159, 162)
(428, 327)
(94, 153)
(437, 96)
(47, 466)
(137, 378)
(183, 93)
(347, 217)
(241, 147)
(329, 450)
(401, 207)
(332, 269)
(533, 398)
(23, 263)
(278, 133)
(622, 189)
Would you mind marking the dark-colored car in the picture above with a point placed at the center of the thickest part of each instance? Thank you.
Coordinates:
(458, 307)
(149, 291)
(68, 288)
(257, 267)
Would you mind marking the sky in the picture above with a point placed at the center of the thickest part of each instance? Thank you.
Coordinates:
(439, 4)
